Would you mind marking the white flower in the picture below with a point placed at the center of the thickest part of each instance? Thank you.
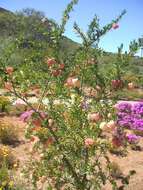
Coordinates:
(73, 96)
(103, 125)
(45, 101)
(33, 100)
(19, 101)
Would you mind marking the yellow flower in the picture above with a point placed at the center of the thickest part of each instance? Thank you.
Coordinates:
(5, 155)
(11, 183)
(4, 183)
(15, 165)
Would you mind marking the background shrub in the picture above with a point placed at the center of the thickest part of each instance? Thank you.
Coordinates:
(6, 157)
(8, 132)
(4, 103)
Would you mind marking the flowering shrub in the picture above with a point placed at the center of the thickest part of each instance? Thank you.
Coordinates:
(132, 138)
(131, 116)
(67, 132)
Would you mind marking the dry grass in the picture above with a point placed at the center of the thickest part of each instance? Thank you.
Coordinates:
(8, 131)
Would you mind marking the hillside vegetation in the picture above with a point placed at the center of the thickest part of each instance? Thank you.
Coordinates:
(29, 37)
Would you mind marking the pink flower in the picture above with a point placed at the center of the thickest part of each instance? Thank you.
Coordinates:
(116, 83)
(9, 70)
(73, 82)
(89, 142)
(69, 82)
(131, 85)
(108, 126)
(115, 26)
(56, 73)
(34, 139)
(111, 124)
(94, 117)
(51, 62)
(26, 115)
(132, 138)
(19, 101)
(43, 114)
(62, 66)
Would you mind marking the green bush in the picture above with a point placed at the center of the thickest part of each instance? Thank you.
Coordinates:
(4, 103)
(6, 157)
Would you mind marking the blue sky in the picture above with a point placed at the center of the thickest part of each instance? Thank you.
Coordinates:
(131, 26)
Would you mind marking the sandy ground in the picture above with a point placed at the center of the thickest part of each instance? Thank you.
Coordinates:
(133, 161)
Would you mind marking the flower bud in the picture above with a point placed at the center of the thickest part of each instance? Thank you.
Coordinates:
(51, 62)
(94, 117)
(109, 115)
(103, 125)
(111, 125)
(9, 70)
(131, 85)
(116, 84)
(73, 82)
(98, 88)
(89, 142)
(50, 122)
(56, 73)
(115, 26)
(62, 66)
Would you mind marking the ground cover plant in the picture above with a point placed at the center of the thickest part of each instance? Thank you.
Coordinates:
(8, 132)
(77, 126)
